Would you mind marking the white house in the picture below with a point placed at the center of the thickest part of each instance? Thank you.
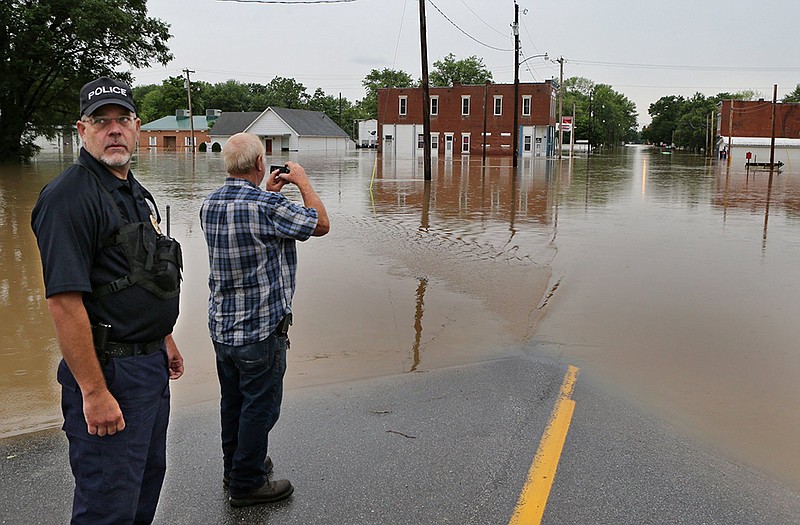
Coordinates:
(283, 129)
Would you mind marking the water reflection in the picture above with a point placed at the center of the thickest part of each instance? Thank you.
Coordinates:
(654, 269)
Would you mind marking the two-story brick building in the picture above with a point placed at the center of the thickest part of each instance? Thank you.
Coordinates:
(464, 118)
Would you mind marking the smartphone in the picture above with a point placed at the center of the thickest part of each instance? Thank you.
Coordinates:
(281, 169)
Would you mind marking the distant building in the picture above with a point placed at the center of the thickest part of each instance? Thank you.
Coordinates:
(283, 129)
(174, 132)
(465, 118)
(66, 140)
(367, 133)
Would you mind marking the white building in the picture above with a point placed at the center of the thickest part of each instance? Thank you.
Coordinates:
(283, 129)
(368, 133)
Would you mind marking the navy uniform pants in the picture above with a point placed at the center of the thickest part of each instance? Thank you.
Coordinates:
(118, 478)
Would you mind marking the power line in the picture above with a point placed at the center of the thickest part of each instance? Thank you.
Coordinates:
(467, 34)
(681, 67)
(482, 20)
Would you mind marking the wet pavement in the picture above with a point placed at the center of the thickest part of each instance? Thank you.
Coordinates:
(452, 445)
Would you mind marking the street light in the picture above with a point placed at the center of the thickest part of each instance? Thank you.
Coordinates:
(516, 92)
(535, 56)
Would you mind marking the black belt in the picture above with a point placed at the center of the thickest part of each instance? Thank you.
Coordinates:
(131, 349)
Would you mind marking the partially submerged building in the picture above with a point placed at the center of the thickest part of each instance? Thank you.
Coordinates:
(283, 129)
(746, 126)
(466, 119)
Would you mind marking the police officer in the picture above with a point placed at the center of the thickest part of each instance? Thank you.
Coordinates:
(113, 314)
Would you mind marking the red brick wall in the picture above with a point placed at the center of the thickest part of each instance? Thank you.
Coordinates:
(753, 118)
(450, 118)
(179, 136)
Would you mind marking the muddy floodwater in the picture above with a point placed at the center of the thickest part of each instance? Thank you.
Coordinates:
(672, 278)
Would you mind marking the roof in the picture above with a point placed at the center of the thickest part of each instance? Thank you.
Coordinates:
(233, 122)
(309, 123)
(173, 123)
(781, 142)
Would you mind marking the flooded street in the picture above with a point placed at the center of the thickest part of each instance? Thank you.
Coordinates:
(672, 279)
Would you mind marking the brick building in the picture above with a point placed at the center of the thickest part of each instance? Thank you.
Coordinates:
(746, 125)
(753, 118)
(174, 132)
(462, 115)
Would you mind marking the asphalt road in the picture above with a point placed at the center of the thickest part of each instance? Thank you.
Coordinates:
(448, 446)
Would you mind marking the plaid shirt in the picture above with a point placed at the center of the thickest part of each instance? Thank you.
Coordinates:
(252, 256)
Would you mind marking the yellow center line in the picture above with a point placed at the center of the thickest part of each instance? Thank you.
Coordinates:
(532, 500)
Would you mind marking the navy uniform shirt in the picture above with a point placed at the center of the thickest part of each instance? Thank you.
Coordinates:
(71, 220)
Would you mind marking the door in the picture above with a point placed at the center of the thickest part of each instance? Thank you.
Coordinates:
(448, 145)
(268, 146)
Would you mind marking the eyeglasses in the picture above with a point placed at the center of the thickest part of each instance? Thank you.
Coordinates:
(124, 121)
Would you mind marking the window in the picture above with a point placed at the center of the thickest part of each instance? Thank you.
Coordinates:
(420, 141)
(526, 143)
(434, 141)
(403, 109)
(152, 140)
(434, 105)
(187, 141)
(498, 105)
(526, 106)
(465, 143)
(464, 105)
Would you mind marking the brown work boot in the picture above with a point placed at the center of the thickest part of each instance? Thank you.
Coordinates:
(267, 493)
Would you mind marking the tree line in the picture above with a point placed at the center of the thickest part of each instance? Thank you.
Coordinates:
(154, 101)
(50, 48)
(684, 122)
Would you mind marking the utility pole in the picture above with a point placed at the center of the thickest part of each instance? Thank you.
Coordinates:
(572, 130)
(485, 111)
(730, 134)
(713, 144)
(591, 119)
(515, 135)
(560, 102)
(426, 94)
(772, 140)
(189, 94)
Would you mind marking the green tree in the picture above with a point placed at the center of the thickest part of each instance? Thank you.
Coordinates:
(665, 113)
(339, 109)
(692, 125)
(163, 100)
(378, 79)
(285, 93)
(228, 96)
(604, 116)
(50, 48)
(469, 70)
(794, 96)
(613, 117)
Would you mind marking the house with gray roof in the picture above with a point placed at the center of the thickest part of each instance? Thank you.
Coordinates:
(283, 129)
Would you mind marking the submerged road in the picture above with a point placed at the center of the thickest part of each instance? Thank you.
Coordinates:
(455, 445)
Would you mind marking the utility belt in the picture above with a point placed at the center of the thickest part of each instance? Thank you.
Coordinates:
(283, 325)
(107, 349)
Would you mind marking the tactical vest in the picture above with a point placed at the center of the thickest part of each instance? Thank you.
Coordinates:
(155, 260)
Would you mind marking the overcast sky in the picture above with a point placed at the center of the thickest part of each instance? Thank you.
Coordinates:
(644, 50)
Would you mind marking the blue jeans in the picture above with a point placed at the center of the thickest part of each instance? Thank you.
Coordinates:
(118, 478)
(251, 384)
